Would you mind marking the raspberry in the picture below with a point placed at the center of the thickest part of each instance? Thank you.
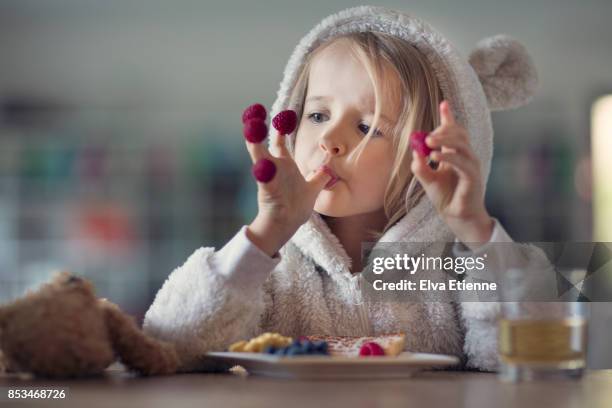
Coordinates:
(255, 111)
(264, 170)
(371, 349)
(255, 130)
(285, 122)
(417, 142)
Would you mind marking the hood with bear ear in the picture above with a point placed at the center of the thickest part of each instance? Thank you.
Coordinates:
(498, 75)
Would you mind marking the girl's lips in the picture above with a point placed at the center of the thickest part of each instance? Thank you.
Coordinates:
(332, 174)
(331, 182)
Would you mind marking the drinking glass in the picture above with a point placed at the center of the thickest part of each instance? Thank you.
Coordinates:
(540, 339)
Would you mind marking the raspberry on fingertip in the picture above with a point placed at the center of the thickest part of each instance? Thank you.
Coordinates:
(417, 143)
(255, 111)
(285, 122)
(264, 170)
(255, 130)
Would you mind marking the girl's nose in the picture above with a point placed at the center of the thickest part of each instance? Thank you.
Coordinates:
(333, 147)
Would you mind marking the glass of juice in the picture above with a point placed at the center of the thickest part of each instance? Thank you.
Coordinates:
(542, 339)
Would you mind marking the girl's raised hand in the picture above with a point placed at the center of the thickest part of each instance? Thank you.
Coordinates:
(455, 187)
(286, 201)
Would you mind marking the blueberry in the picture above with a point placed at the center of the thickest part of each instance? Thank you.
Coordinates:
(321, 346)
(270, 350)
(292, 351)
(310, 347)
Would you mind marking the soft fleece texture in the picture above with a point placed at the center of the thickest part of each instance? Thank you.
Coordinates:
(220, 297)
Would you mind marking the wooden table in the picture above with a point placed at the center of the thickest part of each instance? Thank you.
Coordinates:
(427, 389)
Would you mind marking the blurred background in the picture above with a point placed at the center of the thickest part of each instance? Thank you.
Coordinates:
(121, 148)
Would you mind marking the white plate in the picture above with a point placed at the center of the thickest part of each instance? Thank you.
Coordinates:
(325, 367)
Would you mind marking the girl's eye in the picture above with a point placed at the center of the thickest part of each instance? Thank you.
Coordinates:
(316, 117)
(365, 129)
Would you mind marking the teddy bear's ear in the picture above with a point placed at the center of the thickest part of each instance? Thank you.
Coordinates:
(506, 72)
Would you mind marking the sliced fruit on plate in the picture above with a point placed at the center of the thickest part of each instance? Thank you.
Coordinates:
(392, 344)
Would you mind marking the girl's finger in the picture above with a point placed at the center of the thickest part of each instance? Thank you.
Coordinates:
(280, 146)
(319, 179)
(464, 167)
(449, 140)
(446, 115)
(258, 151)
(421, 169)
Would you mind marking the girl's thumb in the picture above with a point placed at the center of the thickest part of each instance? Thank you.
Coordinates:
(319, 179)
(421, 169)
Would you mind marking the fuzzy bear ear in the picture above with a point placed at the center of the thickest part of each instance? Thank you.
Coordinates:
(506, 72)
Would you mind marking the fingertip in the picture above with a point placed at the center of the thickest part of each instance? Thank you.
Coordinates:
(446, 110)
(415, 157)
(416, 162)
(325, 173)
(414, 166)
(320, 179)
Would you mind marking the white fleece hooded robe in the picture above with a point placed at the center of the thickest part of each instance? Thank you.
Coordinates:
(218, 297)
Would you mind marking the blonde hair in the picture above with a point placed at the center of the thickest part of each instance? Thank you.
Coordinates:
(420, 97)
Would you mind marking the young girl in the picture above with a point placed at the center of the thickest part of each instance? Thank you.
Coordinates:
(361, 82)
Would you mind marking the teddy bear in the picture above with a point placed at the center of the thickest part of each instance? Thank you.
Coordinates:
(63, 330)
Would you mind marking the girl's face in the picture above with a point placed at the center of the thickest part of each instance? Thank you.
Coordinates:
(338, 112)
